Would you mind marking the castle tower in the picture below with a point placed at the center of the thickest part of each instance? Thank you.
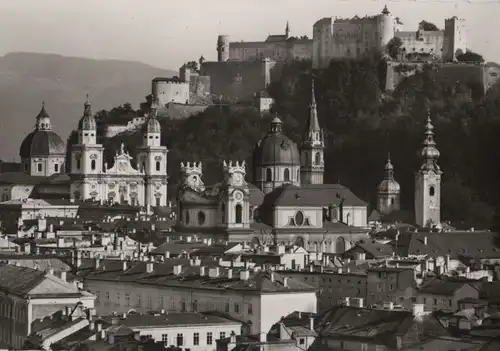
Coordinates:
(428, 182)
(312, 161)
(152, 160)
(388, 191)
(235, 201)
(386, 27)
(222, 48)
(455, 38)
(87, 157)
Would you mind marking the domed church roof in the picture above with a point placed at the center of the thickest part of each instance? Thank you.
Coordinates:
(42, 141)
(276, 148)
(87, 122)
(152, 125)
(389, 185)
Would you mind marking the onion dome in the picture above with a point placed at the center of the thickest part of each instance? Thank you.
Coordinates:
(87, 122)
(389, 184)
(152, 125)
(429, 152)
(276, 148)
(42, 141)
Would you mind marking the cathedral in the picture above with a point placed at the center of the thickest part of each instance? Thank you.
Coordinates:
(45, 173)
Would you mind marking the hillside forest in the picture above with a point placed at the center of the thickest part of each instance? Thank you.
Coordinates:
(362, 125)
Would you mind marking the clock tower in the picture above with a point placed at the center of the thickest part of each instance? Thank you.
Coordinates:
(235, 197)
(428, 182)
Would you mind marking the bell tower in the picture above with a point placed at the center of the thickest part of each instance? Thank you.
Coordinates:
(428, 182)
(388, 191)
(235, 199)
(312, 149)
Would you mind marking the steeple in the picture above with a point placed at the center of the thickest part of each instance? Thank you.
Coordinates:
(388, 169)
(312, 131)
(287, 30)
(429, 152)
(276, 125)
(87, 110)
(43, 119)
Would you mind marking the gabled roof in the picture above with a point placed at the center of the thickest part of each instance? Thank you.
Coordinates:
(19, 280)
(374, 248)
(446, 287)
(170, 319)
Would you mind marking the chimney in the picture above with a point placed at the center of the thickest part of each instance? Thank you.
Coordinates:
(115, 320)
(418, 308)
(299, 315)
(230, 274)
(150, 267)
(51, 271)
(233, 337)
(311, 322)
(425, 240)
(122, 256)
(311, 268)
(272, 277)
(124, 265)
(103, 334)
(64, 276)
(97, 263)
(345, 301)
(244, 275)
(177, 269)
(356, 302)
(124, 316)
(167, 255)
(60, 242)
(213, 272)
(285, 282)
(202, 271)
(92, 325)
(263, 337)
(389, 305)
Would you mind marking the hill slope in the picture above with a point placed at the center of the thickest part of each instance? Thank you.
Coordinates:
(28, 78)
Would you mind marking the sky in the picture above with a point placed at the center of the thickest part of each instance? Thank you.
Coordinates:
(167, 33)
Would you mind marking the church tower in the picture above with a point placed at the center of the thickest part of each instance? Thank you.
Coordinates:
(428, 182)
(86, 157)
(235, 199)
(287, 30)
(152, 160)
(312, 148)
(388, 191)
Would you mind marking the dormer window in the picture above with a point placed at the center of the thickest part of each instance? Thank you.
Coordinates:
(299, 218)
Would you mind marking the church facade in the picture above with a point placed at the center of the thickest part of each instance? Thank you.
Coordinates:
(45, 174)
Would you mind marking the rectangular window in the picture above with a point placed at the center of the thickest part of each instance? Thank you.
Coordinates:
(222, 335)
(180, 339)
(127, 299)
(56, 168)
(194, 306)
(209, 338)
(301, 341)
(150, 303)
(39, 167)
(97, 296)
(236, 308)
(250, 308)
(196, 338)
(164, 338)
(118, 298)
(107, 295)
(183, 306)
(138, 304)
(161, 302)
(227, 307)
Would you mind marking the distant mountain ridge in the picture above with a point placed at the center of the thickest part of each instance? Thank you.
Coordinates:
(62, 82)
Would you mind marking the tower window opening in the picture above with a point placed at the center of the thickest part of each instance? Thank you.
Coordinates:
(286, 175)
(78, 164)
(317, 158)
(269, 175)
(39, 167)
(56, 168)
(239, 213)
(432, 191)
(92, 165)
(157, 166)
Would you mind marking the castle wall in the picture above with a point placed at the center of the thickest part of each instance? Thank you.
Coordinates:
(199, 85)
(300, 49)
(180, 111)
(169, 91)
(237, 80)
(422, 42)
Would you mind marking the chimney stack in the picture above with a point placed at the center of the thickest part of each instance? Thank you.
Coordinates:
(64, 276)
(124, 265)
(389, 305)
(177, 269)
(167, 255)
(149, 267)
(425, 240)
(417, 308)
(285, 282)
(97, 263)
(311, 323)
(229, 273)
(202, 271)
(244, 275)
(213, 272)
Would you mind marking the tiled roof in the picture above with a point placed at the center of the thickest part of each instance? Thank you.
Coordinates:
(374, 248)
(446, 287)
(176, 248)
(375, 325)
(479, 245)
(134, 320)
(19, 280)
(162, 275)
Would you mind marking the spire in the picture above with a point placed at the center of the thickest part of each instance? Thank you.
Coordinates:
(429, 152)
(43, 113)
(87, 110)
(287, 29)
(385, 11)
(312, 124)
(389, 169)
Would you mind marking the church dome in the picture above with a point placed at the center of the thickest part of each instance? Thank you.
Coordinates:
(276, 148)
(389, 185)
(87, 122)
(152, 126)
(42, 141)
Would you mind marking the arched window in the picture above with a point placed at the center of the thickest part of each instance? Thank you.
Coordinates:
(238, 213)
(39, 167)
(306, 156)
(298, 175)
(144, 166)
(201, 218)
(187, 217)
(317, 158)
(157, 166)
(223, 212)
(92, 165)
(56, 168)
(286, 175)
(78, 164)
(269, 175)
(432, 190)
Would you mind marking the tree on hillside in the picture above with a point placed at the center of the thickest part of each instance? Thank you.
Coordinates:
(470, 56)
(394, 48)
(427, 26)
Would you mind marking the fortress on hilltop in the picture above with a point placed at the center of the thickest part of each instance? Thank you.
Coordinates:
(355, 37)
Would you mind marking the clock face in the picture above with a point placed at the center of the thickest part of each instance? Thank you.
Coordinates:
(238, 195)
